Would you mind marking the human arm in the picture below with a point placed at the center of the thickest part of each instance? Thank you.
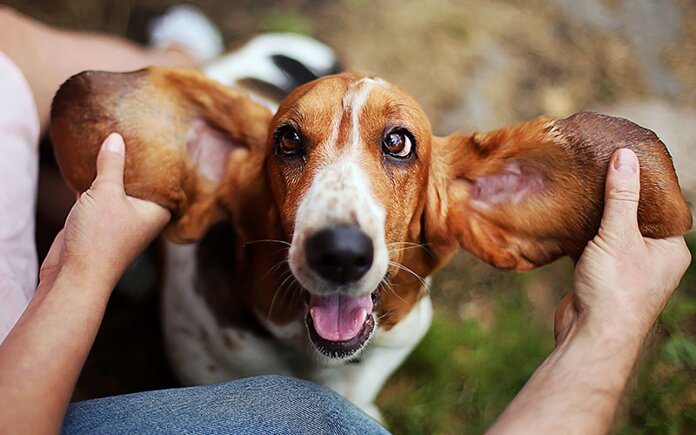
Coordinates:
(622, 282)
(33, 46)
(41, 358)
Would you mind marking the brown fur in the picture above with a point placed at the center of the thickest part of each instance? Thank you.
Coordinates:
(428, 201)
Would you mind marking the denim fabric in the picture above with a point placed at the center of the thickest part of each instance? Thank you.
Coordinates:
(259, 405)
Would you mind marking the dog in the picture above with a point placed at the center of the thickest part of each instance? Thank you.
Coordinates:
(302, 240)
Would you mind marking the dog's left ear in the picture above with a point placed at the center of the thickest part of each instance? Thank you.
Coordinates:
(522, 196)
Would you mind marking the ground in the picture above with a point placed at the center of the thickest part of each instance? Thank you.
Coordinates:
(473, 65)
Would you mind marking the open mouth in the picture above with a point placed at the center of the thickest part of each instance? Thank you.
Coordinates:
(340, 325)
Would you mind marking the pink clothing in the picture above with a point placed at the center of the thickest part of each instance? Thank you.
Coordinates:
(19, 138)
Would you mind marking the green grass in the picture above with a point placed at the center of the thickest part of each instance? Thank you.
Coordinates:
(463, 373)
(466, 370)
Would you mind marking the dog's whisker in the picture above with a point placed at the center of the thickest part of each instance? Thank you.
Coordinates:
(385, 284)
(296, 288)
(410, 245)
(383, 315)
(406, 269)
(395, 250)
(267, 241)
(275, 294)
(404, 243)
(288, 283)
(272, 269)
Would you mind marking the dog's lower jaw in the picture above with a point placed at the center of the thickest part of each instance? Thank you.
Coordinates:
(335, 352)
(341, 351)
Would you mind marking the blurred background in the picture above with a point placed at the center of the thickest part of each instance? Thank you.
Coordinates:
(473, 65)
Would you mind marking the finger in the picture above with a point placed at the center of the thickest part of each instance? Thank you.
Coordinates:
(151, 211)
(622, 193)
(111, 159)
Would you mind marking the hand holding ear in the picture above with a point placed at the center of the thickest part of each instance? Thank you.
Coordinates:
(106, 229)
(622, 280)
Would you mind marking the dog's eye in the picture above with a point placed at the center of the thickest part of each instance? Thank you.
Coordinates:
(398, 144)
(288, 141)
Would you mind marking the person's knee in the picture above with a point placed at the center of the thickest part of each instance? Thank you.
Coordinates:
(287, 383)
(280, 391)
(277, 386)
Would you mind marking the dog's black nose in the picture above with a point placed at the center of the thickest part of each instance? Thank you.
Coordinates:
(341, 254)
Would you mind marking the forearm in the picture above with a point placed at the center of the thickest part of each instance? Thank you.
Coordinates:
(577, 389)
(33, 45)
(42, 356)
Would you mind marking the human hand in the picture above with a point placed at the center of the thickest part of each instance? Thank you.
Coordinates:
(106, 229)
(622, 280)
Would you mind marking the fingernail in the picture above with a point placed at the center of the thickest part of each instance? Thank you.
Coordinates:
(114, 143)
(626, 161)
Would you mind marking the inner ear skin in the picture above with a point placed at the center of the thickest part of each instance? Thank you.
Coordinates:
(209, 149)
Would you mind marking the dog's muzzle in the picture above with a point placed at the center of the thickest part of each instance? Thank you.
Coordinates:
(340, 324)
(340, 255)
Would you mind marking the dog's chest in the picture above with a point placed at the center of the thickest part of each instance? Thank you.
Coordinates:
(205, 347)
(202, 348)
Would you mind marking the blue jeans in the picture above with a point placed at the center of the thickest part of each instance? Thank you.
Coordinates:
(263, 405)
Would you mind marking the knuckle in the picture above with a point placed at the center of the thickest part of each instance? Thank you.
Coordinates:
(624, 193)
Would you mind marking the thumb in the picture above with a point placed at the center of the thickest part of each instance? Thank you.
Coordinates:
(111, 160)
(622, 193)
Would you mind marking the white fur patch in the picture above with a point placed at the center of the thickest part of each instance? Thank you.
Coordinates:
(188, 27)
(254, 59)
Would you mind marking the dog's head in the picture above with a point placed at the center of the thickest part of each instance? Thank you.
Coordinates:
(348, 172)
(348, 162)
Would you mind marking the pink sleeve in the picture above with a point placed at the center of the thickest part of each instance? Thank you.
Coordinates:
(19, 137)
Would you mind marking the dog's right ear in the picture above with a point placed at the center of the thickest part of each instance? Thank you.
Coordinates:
(522, 196)
(187, 138)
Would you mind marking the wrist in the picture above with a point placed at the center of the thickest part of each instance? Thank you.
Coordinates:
(613, 334)
(89, 280)
(94, 267)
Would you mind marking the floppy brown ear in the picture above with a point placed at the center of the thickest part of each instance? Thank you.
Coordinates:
(525, 195)
(186, 138)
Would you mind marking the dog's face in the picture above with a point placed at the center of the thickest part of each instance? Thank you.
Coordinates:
(346, 171)
(347, 159)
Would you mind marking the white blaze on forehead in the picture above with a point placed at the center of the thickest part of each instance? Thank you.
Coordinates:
(354, 99)
(357, 102)
(341, 193)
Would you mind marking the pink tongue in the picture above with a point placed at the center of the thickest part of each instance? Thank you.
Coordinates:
(339, 317)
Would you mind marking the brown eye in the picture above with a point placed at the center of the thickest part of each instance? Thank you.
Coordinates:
(288, 141)
(398, 144)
